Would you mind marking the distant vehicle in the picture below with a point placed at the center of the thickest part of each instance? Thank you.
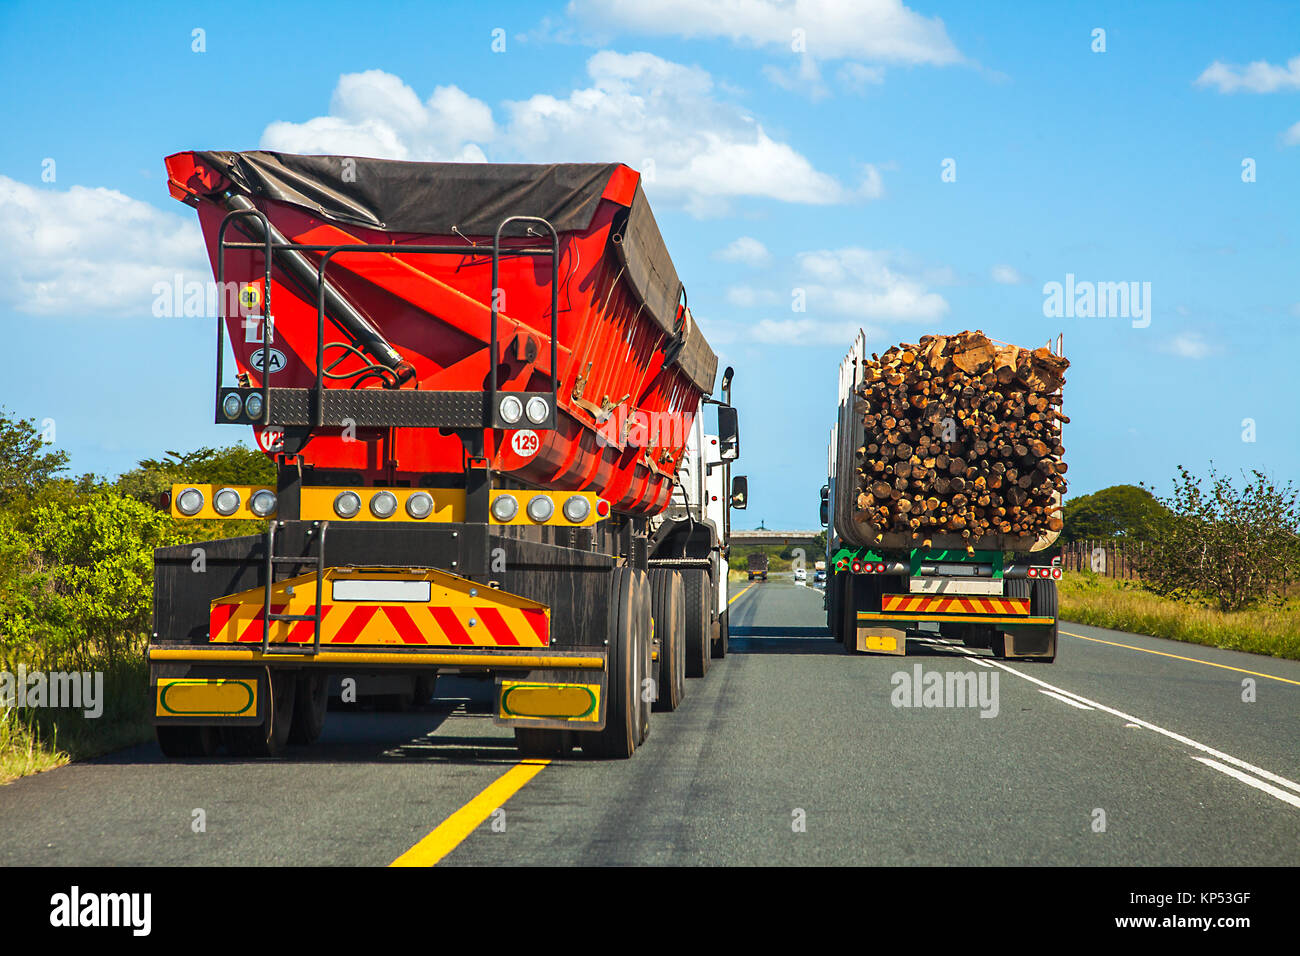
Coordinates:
(819, 576)
(758, 565)
(800, 574)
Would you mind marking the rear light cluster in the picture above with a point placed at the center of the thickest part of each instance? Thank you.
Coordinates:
(1044, 573)
(227, 502)
(540, 508)
(512, 410)
(868, 567)
(250, 405)
(383, 504)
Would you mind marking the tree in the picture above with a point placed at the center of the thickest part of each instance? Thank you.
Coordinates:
(24, 465)
(1235, 546)
(1119, 511)
(232, 465)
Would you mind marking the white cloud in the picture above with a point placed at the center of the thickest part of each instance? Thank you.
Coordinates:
(883, 30)
(1007, 275)
(657, 116)
(1292, 136)
(83, 250)
(873, 187)
(375, 114)
(804, 332)
(788, 332)
(747, 297)
(747, 250)
(701, 151)
(865, 283)
(805, 77)
(857, 77)
(1188, 345)
(1257, 77)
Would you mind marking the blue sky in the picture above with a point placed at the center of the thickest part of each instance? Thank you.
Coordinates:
(775, 170)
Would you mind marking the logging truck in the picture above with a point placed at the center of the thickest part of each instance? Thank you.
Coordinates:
(483, 393)
(994, 590)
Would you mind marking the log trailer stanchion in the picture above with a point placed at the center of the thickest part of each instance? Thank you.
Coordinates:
(469, 479)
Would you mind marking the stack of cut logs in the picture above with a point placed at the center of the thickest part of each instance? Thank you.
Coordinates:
(963, 437)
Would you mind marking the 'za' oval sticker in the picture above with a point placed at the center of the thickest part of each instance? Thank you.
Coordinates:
(276, 356)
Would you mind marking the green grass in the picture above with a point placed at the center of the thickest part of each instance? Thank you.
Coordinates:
(1123, 606)
(39, 739)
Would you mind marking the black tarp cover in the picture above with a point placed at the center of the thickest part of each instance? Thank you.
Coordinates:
(400, 196)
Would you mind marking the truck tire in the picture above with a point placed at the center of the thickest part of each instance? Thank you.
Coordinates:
(720, 645)
(180, 742)
(646, 677)
(853, 588)
(269, 738)
(618, 739)
(699, 610)
(669, 600)
(311, 699)
(1042, 603)
(543, 742)
(425, 685)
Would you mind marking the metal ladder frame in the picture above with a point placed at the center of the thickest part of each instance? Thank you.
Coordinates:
(317, 531)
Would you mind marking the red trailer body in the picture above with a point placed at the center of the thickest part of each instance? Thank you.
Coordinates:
(632, 366)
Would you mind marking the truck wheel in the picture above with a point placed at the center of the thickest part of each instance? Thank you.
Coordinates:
(698, 612)
(832, 602)
(311, 698)
(720, 645)
(622, 710)
(268, 739)
(543, 742)
(849, 614)
(399, 703)
(646, 675)
(178, 742)
(669, 608)
(425, 685)
(1043, 603)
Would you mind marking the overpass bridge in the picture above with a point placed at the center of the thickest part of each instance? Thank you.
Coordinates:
(804, 539)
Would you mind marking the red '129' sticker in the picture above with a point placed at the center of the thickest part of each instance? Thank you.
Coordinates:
(525, 443)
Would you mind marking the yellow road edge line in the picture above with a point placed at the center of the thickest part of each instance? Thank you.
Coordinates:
(731, 601)
(452, 832)
(1194, 660)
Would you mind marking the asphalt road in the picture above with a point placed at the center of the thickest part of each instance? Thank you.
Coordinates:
(789, 752)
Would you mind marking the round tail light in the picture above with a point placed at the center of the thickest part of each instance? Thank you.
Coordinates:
(505, 507)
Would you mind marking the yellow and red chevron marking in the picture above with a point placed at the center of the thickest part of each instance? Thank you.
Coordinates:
(956, 604)
(458, 613)
(386, 624)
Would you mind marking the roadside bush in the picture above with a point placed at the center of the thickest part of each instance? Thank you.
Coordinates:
(78, 580)
(1240, 547)
(232, 465)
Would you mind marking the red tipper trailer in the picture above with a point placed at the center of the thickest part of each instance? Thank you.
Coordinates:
(477, 382)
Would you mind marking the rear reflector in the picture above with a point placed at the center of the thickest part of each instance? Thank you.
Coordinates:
(191, 697)
(550, 701)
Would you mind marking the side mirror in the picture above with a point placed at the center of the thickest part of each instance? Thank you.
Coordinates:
(739, 492)
(826, 505)
(728, 433)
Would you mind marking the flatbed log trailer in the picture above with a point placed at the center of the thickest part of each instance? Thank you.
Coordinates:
(883, 587)
(477, 383)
